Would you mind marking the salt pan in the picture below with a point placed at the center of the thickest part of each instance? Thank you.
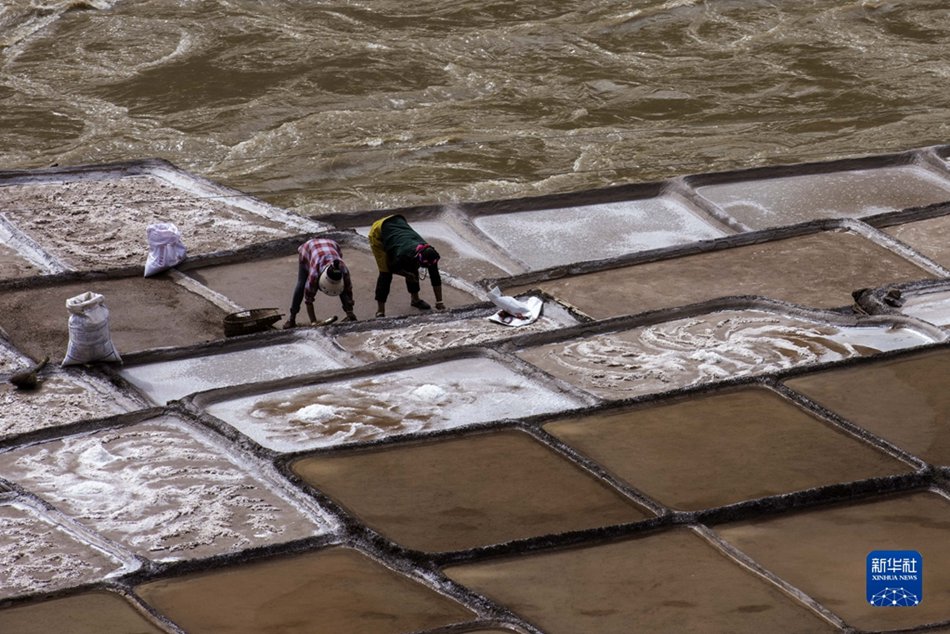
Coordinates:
(707, 348)
(434, 397)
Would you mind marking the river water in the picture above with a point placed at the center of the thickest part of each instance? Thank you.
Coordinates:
(353, 105)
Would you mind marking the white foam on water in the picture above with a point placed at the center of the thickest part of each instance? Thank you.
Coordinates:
(436, 397)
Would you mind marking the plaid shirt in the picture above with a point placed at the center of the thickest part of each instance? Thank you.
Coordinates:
(317, 254)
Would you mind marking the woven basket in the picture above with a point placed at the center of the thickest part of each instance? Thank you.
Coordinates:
(247, 321)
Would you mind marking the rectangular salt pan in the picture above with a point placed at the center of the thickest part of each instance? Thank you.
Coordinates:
(101, 223)
(171, 380)
(551, 237)
(707, 348)
(772, 202)
(435, 397)
(163, 490)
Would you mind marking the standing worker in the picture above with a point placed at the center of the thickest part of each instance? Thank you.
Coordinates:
(321, 267)
(399, 250)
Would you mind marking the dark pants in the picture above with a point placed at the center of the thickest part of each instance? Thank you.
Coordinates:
(385, 280)
(302, 274)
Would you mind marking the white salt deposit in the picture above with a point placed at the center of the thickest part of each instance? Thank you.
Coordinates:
(171, 380)
(429, 392)
(441, 396)
(551, 237)
(392, 343)
(92, 224)
(64, 396)
(773, 202)
(727, 344)
(39, 555)
(316, 413)
(933, 307)
(162, 490)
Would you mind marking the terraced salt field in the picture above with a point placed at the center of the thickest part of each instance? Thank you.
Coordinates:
(736, 391)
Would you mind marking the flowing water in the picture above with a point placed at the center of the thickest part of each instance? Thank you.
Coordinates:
(349, 105)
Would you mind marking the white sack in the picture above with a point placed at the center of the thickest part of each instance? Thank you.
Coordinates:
(89, 338)
(165, 248)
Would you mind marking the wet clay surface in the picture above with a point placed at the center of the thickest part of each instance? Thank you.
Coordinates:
(170, 380)
(421, 495)
(337, 590)
(706, 452)
(158, 489)
(440, 396)
(705, 348)
(61, 398)
(905, 401)
(90, 613)
(550, 237)
(772, 202)
(38, 555)
(270, 283)
(823, 553)
(144, 313)
(666, 582)
(99, 224)
(929, 237)
(781, 269)
(392, 343)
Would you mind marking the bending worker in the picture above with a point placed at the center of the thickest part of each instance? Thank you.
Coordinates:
(321, 267)
(399, 250)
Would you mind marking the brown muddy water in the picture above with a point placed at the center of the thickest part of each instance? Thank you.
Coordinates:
(358, 105)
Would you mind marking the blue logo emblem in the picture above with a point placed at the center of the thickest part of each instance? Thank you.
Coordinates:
(895, 578)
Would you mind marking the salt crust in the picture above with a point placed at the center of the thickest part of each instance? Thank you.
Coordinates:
(97, 224)
(162, 490)
(37, 555)
(62, 398)
(717, 346)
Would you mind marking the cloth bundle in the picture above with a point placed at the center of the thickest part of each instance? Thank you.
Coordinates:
(514, 312)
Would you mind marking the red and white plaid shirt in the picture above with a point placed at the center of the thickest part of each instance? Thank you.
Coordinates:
(318, 253)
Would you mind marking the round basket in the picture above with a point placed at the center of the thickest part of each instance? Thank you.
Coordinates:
(247, 321)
